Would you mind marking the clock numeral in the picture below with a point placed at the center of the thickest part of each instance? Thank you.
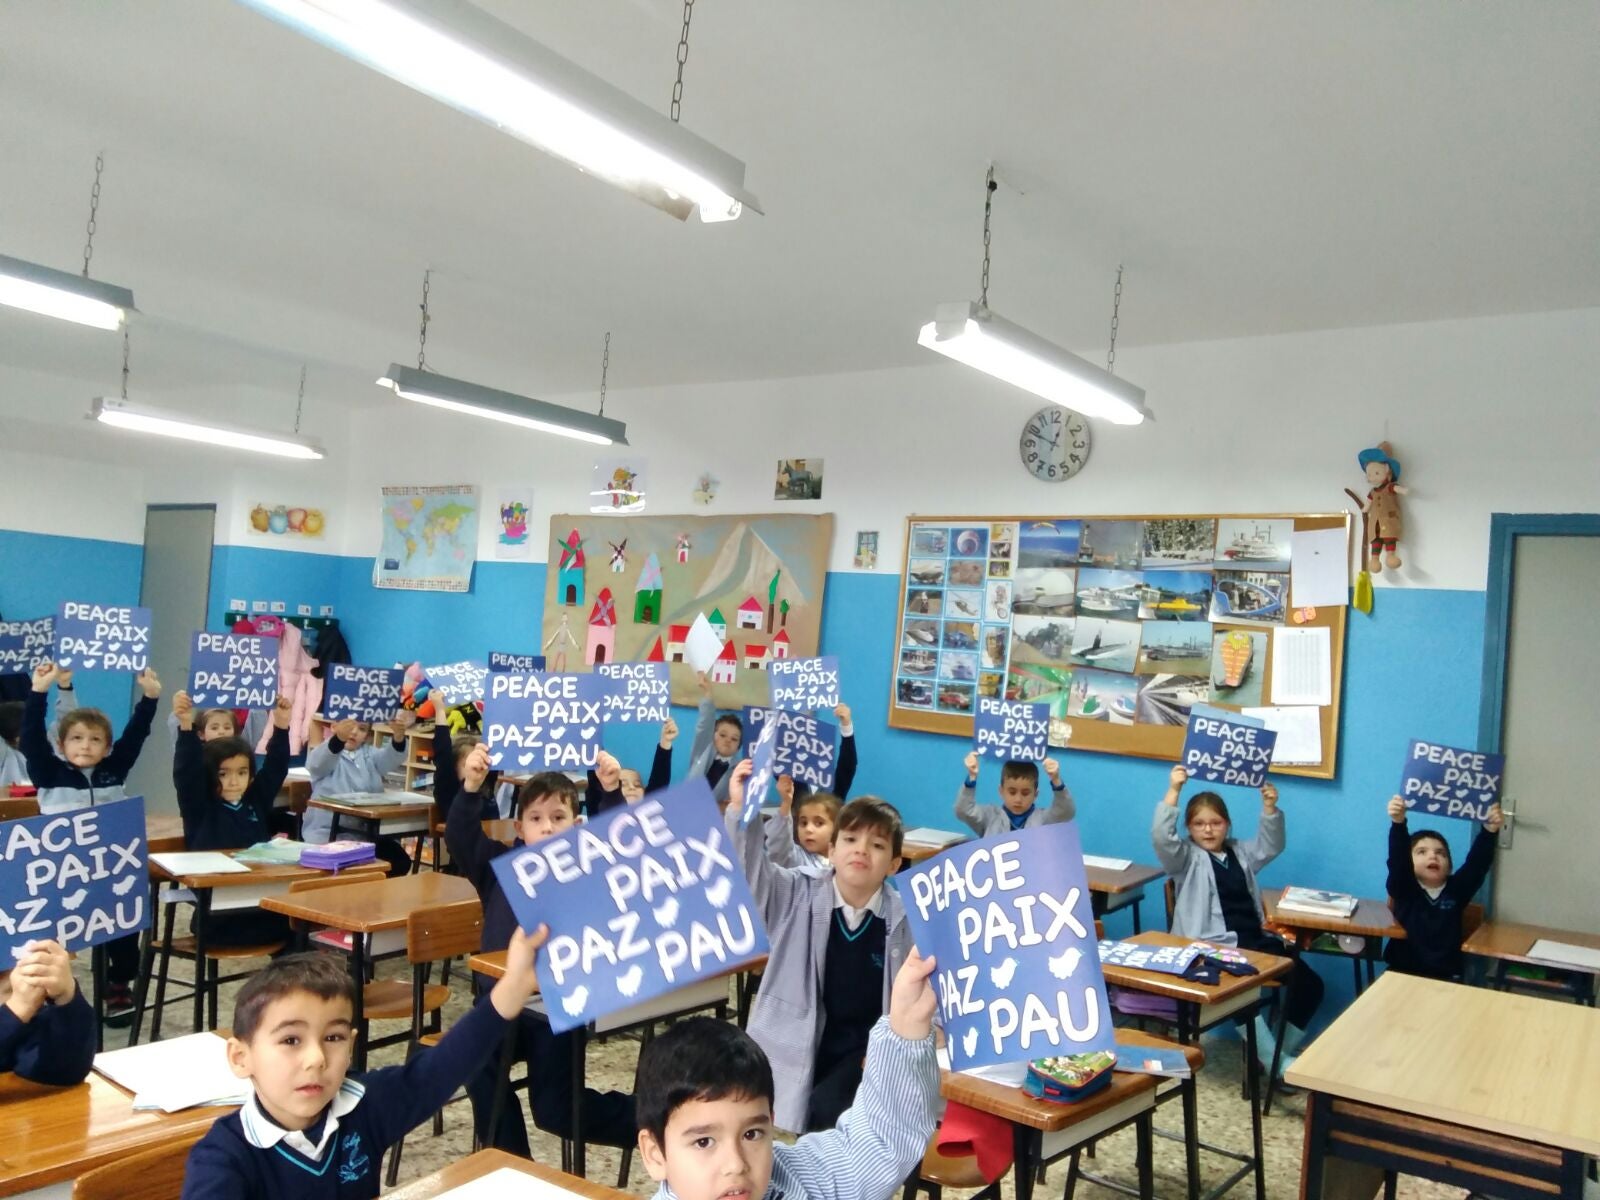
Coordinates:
(1080, 445)
(1075, 458)
(1052, 470)
(1033, 456)
(1034, 431)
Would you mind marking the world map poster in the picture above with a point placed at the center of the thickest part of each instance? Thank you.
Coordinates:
(430, 538)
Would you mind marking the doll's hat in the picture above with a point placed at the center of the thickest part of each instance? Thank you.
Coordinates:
(1380, 453)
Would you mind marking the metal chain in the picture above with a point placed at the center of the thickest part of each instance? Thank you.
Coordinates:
(94, 209)
(301, 402)
(605, 369)
(989, 186)
(124, 361)
(422, 333)
(1116, 306)
(683, 57)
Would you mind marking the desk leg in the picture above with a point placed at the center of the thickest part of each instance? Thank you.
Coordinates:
(1025, 1142)
(580, 1058)
(1146, 1152)
(1189, 1093)
(502, 1085)
(1279, 1026)
(1252, 1074)
(202, 912)
(358, 968)
(1138, 902)
(97, 976)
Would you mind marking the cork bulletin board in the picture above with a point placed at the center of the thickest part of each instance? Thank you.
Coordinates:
(1119, 623)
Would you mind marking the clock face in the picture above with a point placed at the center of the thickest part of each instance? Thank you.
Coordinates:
(1055, 443)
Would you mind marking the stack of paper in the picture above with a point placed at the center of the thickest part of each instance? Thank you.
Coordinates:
(185, 1072)
(197, 862)
(1107, 864)
(1549, 951)
(1317, 902)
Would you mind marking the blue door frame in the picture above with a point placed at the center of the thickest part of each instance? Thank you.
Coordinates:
(1504, 530)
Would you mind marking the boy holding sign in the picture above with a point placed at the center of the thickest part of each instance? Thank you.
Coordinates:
(344, 762)
(706, 1104)
(842, 927)
(1429, 901)
(547, 805)
(307, 1130)
(89, 771)
(1019, 794)
(1218, 899)
(715, 747)
(46, 1026)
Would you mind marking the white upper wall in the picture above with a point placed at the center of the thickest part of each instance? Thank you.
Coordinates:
(1496, 414)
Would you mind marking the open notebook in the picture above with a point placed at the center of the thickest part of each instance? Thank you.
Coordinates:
(184, 1072)
(507, 1182)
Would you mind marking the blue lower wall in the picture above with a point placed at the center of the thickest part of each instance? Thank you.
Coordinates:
(1411, 670)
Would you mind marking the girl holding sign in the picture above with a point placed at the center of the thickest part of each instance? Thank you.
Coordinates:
(1217, 898)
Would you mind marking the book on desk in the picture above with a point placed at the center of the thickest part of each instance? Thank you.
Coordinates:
(1150, 1060)
(179, 1073)
(1317, 902)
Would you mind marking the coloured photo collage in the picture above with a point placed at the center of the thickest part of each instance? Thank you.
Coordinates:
(1130, 622)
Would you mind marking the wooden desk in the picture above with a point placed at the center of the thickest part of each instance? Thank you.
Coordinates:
(1472, 1088)
(694, 997)
(486, 1162)
(1372, 921)
(912, 853)
(49, 1136)
(415, 818)
(1506, 942)
(1110, 891)
(163, 833)
(238, 889)
(363, 909)
(1042, 1130)
(1200, 1006)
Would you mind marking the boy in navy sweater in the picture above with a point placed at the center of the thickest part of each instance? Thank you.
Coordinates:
(547, 805)
(706, 1111)
(226, 804)
(46, 1026)
(309, 1132)
(1428, 901)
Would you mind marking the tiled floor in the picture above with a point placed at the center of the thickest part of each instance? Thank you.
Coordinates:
(1224, 1120)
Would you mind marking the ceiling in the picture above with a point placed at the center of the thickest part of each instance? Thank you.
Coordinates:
(1260, 168)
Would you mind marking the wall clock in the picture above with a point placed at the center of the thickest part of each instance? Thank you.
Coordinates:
(1055, 444)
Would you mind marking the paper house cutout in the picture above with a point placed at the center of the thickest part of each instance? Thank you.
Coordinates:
(656, 654)
(751, 615)
(602, 643)
(569, 574)
(683, 547)
(677, 640)
(647, 594)
(718, 623)
(755, 656)
(780, 644)
(726, 668)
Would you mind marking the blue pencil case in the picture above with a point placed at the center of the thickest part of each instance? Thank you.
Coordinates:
(1068, 1078)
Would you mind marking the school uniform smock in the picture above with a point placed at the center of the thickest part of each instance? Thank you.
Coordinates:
(1197, 910)
(56, 1047)
(13, 768)
(877, 1143)
(248, 1156)
(787, 1018)
(62, 786)
(336, 771)
(986, 820)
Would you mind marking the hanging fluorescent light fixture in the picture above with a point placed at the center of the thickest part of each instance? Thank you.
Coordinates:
(61, 294)
(463, 57)
(474, 400)
(120, 414)
(982, 339)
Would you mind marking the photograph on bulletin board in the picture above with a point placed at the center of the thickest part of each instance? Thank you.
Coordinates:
(1120, 625)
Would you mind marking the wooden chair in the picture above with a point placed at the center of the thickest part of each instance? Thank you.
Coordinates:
(432, 934)
(938, 1172)
(19, 809)
(151, 1175)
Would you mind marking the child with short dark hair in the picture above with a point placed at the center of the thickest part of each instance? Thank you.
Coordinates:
(1428, 901)
(343, 763)
(842, 927)
(1217, 899)
(801, 832)
(90, 770)
(308, 1131)
(1019, 793)
(716, 744)
(13, 767)
(547, 805)
(46, 1026)
(706, 1100)
(226, 804)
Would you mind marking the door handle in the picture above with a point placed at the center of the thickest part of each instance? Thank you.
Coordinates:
(1508, 814)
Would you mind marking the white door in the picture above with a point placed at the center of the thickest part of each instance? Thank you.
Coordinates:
(1545, 873)
(175, 588)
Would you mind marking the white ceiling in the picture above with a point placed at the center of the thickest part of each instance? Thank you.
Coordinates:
(1261, 168)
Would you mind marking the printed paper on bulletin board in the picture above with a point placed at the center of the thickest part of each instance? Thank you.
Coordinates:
(1119, 623)
(627, 589)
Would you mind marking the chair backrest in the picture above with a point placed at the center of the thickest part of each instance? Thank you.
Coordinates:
(1471, 919)
(1171, 891)
(16, 810)
(444, 931)
(342, 879)
(153, 1175)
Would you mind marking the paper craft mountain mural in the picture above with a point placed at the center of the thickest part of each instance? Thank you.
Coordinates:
(767, 572)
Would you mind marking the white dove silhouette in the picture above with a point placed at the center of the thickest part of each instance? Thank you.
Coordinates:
(666, 912)
(1064, 964)
(969, 1041)
(1000, 975)
(628, 982)
(719, 892)
(576, 1002)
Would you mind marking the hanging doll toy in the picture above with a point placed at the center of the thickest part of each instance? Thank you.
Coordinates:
(1381, 523)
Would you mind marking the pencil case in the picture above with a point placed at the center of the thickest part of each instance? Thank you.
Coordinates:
(333, 856)
(1069, 1078)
